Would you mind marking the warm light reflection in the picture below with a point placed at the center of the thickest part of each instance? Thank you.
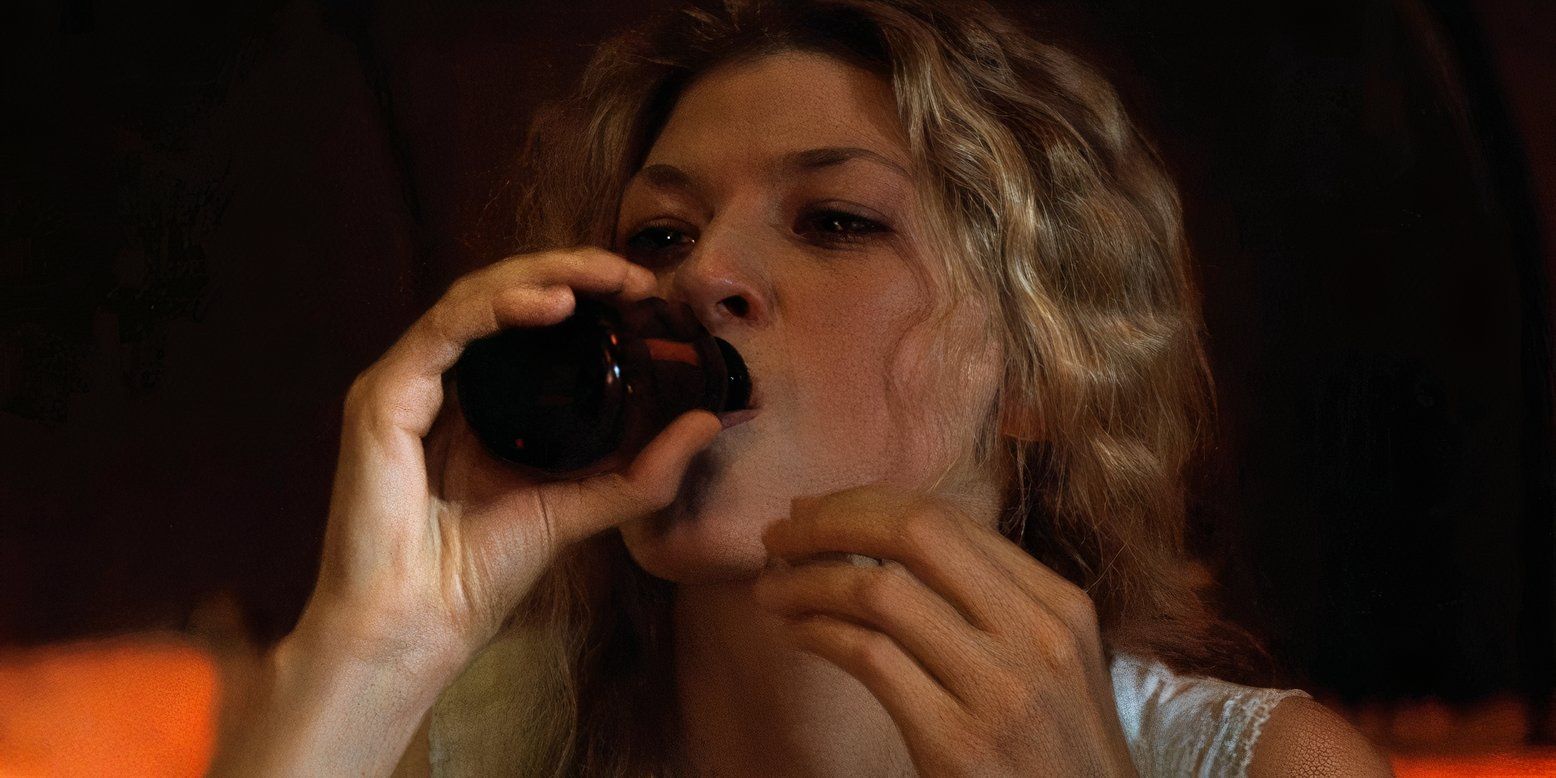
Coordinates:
(147, 706)
(142, 706)
(1524, 762)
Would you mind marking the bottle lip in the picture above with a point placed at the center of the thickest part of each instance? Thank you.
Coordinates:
(737, 396)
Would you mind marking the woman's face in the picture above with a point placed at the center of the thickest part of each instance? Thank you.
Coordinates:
(778, 202)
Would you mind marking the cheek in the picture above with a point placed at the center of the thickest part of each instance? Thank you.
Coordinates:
(943, 394)
(905, 430)
(840, 337)
(848, 304)
(841, 376)
(878, 393)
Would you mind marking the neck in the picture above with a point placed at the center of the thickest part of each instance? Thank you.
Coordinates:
(751, 704)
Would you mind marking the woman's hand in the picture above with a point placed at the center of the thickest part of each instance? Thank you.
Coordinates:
(989, 662)
(431, 544)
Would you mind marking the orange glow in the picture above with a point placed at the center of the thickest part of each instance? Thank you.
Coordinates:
(1525, 761)
(145, 706)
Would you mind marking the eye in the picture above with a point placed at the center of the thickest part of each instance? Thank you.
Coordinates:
(656, 241)
(834, 226)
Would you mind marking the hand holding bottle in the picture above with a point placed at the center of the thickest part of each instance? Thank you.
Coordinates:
(430, 542)
(452, 529)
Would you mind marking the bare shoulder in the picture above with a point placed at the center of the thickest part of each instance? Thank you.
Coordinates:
(1304, 738)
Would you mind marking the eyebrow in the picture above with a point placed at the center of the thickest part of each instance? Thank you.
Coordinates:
(662, 176)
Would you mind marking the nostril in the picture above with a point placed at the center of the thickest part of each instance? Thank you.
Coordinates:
(736, 305)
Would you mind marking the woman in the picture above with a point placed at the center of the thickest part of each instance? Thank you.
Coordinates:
(949, 540)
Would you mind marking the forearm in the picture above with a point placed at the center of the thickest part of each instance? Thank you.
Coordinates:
(318, 711)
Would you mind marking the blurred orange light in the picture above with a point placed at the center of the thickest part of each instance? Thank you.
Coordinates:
(143, 706)
(147, 706)
(1523, 762)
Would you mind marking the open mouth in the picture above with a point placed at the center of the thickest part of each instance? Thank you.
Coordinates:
(750, 398)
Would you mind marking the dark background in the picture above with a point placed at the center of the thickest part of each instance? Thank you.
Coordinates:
(214, 217)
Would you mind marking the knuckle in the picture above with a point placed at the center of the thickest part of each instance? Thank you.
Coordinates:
(359, 394)
(438, 322)
(545, 514)
(871, 651)
(921, 531)
(652, 494)
(390, 413)
(372, 405)
(624, 492)
(877, 591)
(601, 490)
(462, 287)
(1061, 648)
(617, 496)
(1080, 611)
(569, 266)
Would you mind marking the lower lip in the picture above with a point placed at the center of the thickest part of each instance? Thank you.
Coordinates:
(737, 417)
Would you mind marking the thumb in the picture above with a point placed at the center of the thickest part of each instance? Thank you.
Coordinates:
(579, 509)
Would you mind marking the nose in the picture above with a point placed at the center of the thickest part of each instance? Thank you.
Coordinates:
(721, 281)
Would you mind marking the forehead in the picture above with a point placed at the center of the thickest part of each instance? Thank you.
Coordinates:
(778, 103)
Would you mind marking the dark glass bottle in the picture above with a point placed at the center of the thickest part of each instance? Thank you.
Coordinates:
(587, 394)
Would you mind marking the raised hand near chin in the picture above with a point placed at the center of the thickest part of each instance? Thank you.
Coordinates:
(989, 662)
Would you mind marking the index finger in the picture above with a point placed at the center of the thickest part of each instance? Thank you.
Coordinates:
(921, 533)
(525, 291)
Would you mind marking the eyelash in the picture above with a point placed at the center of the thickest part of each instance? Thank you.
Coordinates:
(861, 235)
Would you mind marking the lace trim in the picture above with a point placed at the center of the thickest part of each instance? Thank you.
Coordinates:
(1257, 707)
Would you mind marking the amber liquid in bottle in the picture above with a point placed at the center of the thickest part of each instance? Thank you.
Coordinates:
(587, 394)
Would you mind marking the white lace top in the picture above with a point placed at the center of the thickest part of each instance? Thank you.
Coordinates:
(1189, 725)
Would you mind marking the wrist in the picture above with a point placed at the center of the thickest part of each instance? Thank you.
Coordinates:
(406, 677)
(324, 707)
(344, 642)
